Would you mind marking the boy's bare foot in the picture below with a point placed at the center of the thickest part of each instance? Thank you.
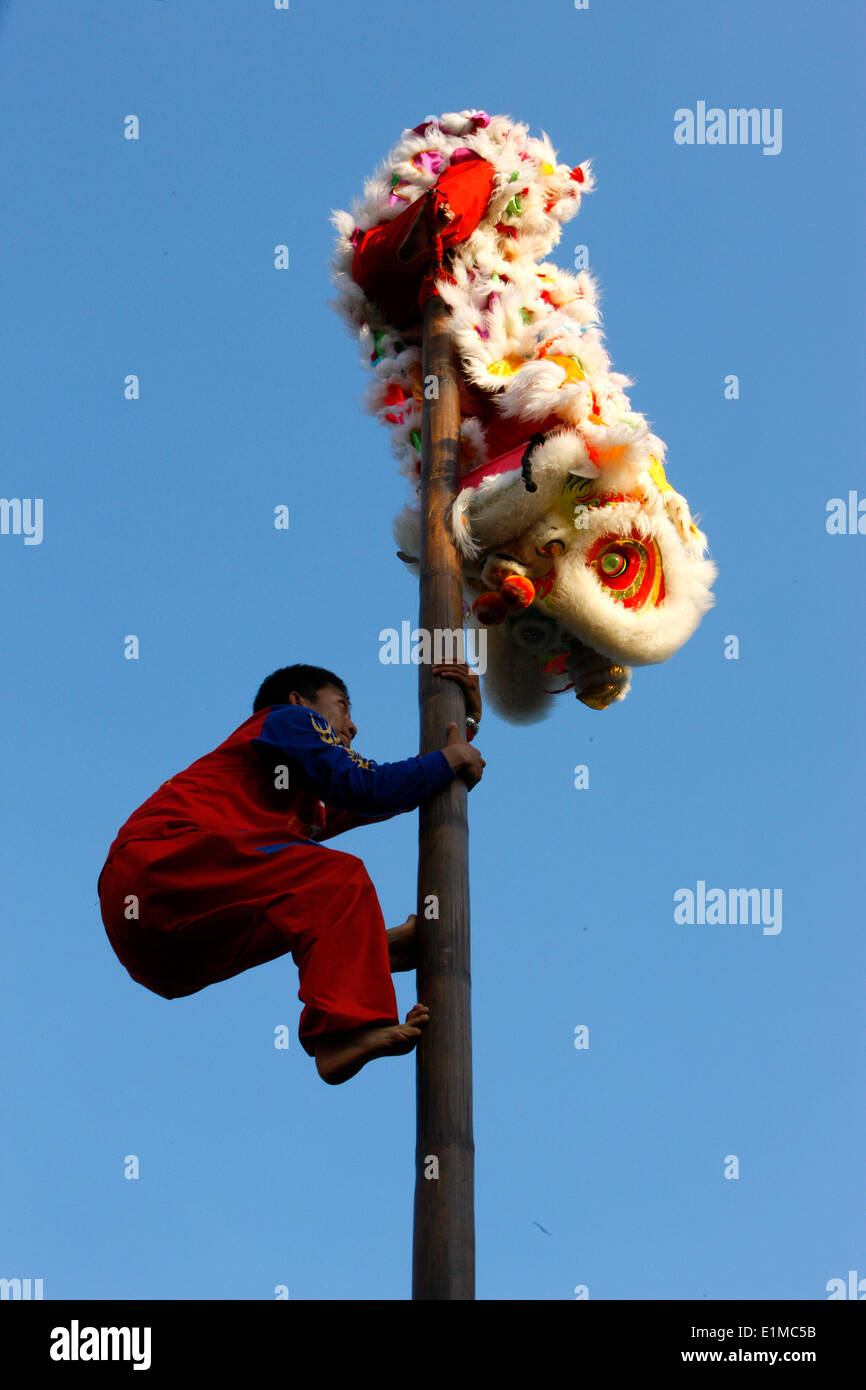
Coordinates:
(402, 946)
(341, 1055)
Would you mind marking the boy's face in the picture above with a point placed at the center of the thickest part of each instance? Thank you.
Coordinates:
(334, 706)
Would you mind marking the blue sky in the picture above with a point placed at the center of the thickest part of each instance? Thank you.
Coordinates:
(155, 257)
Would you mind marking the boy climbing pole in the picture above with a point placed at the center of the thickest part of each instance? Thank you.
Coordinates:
(223, 868)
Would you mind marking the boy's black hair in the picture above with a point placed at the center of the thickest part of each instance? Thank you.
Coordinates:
(306, 680)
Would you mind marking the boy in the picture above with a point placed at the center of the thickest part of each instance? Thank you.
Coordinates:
(222, 868)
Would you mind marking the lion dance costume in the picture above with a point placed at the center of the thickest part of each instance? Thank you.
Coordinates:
(579, 558)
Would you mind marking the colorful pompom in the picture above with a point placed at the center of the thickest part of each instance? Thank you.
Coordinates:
(517, 591)
(490, 609)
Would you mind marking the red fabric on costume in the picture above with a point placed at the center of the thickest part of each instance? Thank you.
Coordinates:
(209, 906)
(501, 432)
(466, 188)
(400, 288)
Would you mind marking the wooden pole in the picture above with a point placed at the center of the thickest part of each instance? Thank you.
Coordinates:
(443, 1262)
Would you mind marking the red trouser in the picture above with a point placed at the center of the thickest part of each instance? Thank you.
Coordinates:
(209, 906)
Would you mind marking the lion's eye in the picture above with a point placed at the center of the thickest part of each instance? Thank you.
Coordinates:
(630, 569)
(614, 563)
(552, 548)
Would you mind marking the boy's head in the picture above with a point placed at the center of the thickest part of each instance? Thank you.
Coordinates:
(313, 687)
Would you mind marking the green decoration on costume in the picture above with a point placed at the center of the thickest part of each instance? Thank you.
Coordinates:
(613, 563)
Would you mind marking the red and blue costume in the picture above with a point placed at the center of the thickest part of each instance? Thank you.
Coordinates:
(222, 869)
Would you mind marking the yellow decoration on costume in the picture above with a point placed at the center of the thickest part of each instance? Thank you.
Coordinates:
(570, 365)
(506, 366)
(328, 735)
(657, 473)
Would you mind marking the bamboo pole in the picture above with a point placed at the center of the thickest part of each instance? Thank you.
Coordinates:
(443, 1262)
